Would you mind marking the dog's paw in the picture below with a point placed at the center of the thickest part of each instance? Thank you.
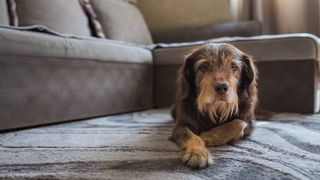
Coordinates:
(238, 129)
(197, 157)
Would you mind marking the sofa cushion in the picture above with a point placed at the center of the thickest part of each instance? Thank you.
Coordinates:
(122, 21)
(262, 48)
(225, 29)
(35, 44)
(60, 15)
(4, 18)
(165, 15)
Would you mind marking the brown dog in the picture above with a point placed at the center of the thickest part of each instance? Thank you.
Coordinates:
(215, 101)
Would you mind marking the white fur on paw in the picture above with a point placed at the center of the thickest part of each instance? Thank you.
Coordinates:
(197, 157)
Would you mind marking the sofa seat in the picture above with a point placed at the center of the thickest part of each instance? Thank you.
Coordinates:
(49, 79)
(288, 65)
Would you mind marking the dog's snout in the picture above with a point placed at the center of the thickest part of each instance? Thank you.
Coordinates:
(221, 88)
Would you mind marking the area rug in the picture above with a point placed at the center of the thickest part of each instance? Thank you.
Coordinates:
(136, 146)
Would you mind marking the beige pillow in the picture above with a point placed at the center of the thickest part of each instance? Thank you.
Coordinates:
(4, 18)
(122, 20)
(65, 16)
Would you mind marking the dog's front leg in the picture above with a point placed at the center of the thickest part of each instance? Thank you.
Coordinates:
(225, 133)
(195, 153)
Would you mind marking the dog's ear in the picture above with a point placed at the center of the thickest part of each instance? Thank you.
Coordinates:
(188, 70)
(186, 77)
(249, 75)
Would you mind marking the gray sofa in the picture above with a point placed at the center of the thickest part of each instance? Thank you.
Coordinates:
(48, 76)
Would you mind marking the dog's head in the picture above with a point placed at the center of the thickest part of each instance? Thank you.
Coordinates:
(217, 75)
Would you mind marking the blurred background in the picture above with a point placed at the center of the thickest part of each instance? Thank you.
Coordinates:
(279, 16)
(167, 19)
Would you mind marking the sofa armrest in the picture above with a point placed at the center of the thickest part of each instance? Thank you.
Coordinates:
(245, 28)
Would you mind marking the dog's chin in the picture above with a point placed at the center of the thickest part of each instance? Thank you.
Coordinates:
(222, 107)
(223, 99)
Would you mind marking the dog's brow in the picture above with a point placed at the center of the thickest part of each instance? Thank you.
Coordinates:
(221, 59)
(199, 62)
(232, 58)
(225, 58)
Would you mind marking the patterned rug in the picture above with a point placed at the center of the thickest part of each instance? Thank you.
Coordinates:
(136, 146)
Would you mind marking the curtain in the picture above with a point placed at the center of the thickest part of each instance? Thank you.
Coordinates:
(280, 16)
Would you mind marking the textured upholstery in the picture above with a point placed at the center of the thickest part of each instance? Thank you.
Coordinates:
(263, 48)
(122, 21)
(288, 64)
(19, 43)
(38, 90)
(4, 18)
(60, 15)
(48, 79)
(189, 34)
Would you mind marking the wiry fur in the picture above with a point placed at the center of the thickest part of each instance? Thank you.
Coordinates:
(199, 109)
(208, 104)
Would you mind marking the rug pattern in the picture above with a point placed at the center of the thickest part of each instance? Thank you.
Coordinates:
(136, 146)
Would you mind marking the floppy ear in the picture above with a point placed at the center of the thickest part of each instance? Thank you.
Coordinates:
(186, 77)
(188, 70)
(249, 75)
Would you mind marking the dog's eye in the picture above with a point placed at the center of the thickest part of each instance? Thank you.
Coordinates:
(234, 66)
(204, 67)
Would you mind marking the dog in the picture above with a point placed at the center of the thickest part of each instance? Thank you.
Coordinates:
(215, 101)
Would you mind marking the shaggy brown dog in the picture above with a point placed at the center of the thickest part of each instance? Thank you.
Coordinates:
(215, 101)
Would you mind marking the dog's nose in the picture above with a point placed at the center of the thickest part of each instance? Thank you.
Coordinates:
(221, 88)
